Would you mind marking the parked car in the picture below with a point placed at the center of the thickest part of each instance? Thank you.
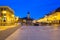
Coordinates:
(36, 24)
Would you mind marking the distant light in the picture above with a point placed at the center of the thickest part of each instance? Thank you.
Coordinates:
(24, 20)
(34, 21)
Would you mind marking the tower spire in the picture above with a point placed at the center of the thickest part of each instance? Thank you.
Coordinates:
(28, 15)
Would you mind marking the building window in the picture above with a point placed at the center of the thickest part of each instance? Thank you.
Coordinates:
(4, 19)
(4, 8)
(0, 14)
(1, 9)
(4, 14)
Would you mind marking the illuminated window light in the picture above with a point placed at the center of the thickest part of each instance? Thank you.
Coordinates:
(3, 11)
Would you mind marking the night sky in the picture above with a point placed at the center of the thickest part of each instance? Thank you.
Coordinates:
(37, 8)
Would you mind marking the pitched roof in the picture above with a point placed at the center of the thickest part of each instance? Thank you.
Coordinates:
(57, 10)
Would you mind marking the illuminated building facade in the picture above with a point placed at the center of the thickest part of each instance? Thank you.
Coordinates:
(7, 15)
(53, 17)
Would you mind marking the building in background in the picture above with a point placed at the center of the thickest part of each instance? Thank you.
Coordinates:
(27, 20)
